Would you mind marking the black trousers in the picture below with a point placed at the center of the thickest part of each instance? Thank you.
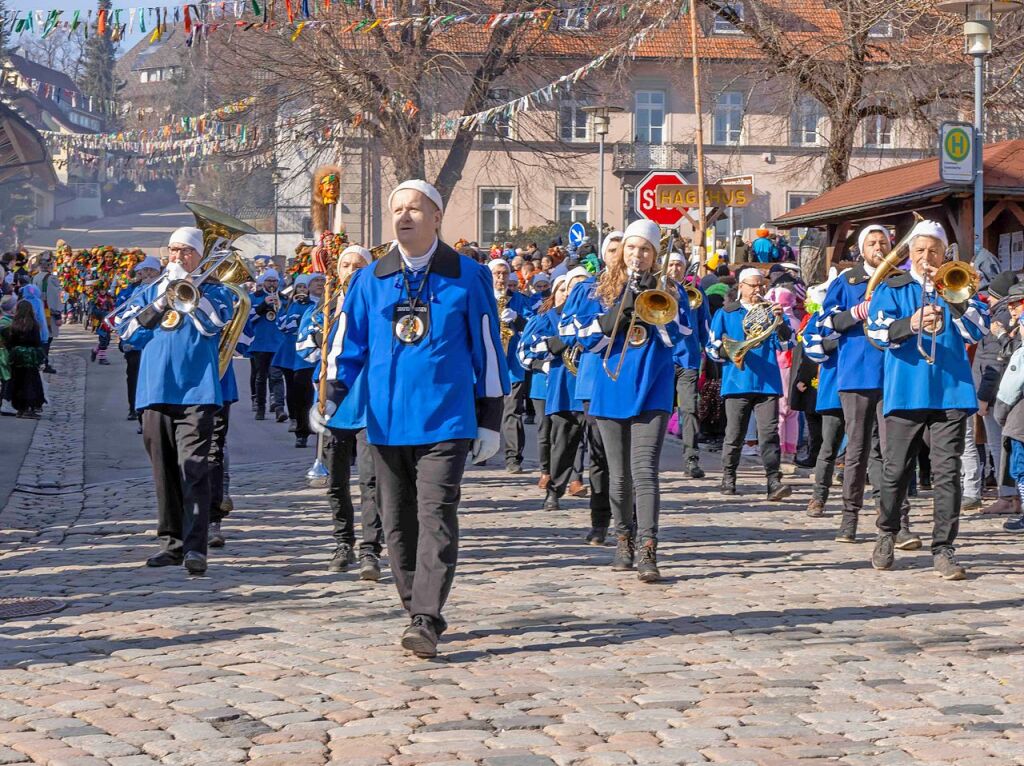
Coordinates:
(865, 440)
(218, 462)
(905, 434)
(512, 430)
(543, 436)
(634, 450)
(566, 435)
(178, 439)
(299, 394)
(131, 361)
(686, 399)
(828, 451)
(339, 448)
(600, 503)
(263, 375)
(419, 489)
(765, 409)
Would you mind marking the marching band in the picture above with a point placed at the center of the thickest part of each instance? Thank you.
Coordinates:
(409, 360)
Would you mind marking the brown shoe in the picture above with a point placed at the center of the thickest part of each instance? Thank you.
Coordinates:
(815, 507)
(545, 479)
(577, 488)
(1004, 505)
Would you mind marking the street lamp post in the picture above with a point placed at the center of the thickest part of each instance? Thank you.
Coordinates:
(276, 178)
(601, 124)
(978, 27)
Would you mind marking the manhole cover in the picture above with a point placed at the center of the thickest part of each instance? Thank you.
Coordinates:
(26, 607)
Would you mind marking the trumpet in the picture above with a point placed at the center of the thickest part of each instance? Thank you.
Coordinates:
(656, 306)
(275, 303)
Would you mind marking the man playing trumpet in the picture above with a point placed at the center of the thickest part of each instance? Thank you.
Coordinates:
(928, 390)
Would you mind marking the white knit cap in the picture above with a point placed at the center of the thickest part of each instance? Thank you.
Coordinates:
(423, 188)
(648, 230)
(558, 281)
(188, 235)
(359, 250)
(302, 280)
(541, 277)
(579, 271)
(611, 237)
(931, 229)
(316, 275)
(867, 230)
(748, 273)
(268, 274)
(494, 263)
(676, 258)
(149, 262)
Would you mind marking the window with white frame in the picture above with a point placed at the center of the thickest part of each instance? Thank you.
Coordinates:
(797, 199)
(495, 213)
(728, 122)
(878, 132)
(573, 123)
(650, 116)
(726, 27)
(881, 28)
(573, 205)
(803, 123)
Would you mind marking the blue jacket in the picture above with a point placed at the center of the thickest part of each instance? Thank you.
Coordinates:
(442, 387)
(823, 349)
(288, 321)
(647, 379)
(523, 306)
(266, 336)
(860, 364)
(689, 352)
(764, 250)
(910, 382)
(177, 366)
(351, 412)
(535, 350)
(760, 373)
(581, 299)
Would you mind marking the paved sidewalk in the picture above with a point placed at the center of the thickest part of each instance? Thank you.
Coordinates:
(767, 644)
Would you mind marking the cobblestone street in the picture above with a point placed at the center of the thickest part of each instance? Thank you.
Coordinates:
(767, 643)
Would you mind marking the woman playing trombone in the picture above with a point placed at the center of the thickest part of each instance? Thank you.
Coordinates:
(632, 401)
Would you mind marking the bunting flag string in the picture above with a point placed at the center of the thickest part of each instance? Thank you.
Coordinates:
(204, 18)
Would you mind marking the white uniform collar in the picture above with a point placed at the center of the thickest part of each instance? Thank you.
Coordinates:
(418, 262)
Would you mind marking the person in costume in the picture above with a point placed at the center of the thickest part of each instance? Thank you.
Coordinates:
(924, 400)
(179, 392)
(298, 373)
(425, 322)
(147, 271)
(266, 341)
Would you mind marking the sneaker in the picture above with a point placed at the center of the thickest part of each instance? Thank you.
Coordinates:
(907, 540)
(227, 505)
(165, 559)
(815, 507)
(778, 491)
(728, 486)
(301, 441)
(647, 563)
(693, 469)
(597, 535)
(883, 556)
(750, 450)
(49, 370)
(624, 553)
(847, 529)
(195, 563)
(1014, 525)
(132, 415)
(1003, 505)
(214, 537)
(342, 558)
(513, 467)
(420, 637)
(577, 488)
(970, 504)
(545, 479)
(281, 415)
(946, 565)
(369, 566)
(551, 501)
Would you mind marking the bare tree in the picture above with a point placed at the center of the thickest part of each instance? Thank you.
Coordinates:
(404, 85)
(58, 50)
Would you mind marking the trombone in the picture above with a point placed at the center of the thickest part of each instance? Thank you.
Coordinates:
(656, 306)
(955, 281)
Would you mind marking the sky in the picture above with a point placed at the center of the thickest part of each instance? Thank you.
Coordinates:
(82, 5)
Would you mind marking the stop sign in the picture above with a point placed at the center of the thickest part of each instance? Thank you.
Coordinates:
(647, 198)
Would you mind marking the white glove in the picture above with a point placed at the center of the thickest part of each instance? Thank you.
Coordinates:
(318, 422)
(485, 445)
(508, 316)
(161, 302)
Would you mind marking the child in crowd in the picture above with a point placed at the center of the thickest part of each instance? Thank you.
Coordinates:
(101, 308)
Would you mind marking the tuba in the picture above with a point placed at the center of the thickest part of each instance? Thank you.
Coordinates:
(758, 325)
(220, 230)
